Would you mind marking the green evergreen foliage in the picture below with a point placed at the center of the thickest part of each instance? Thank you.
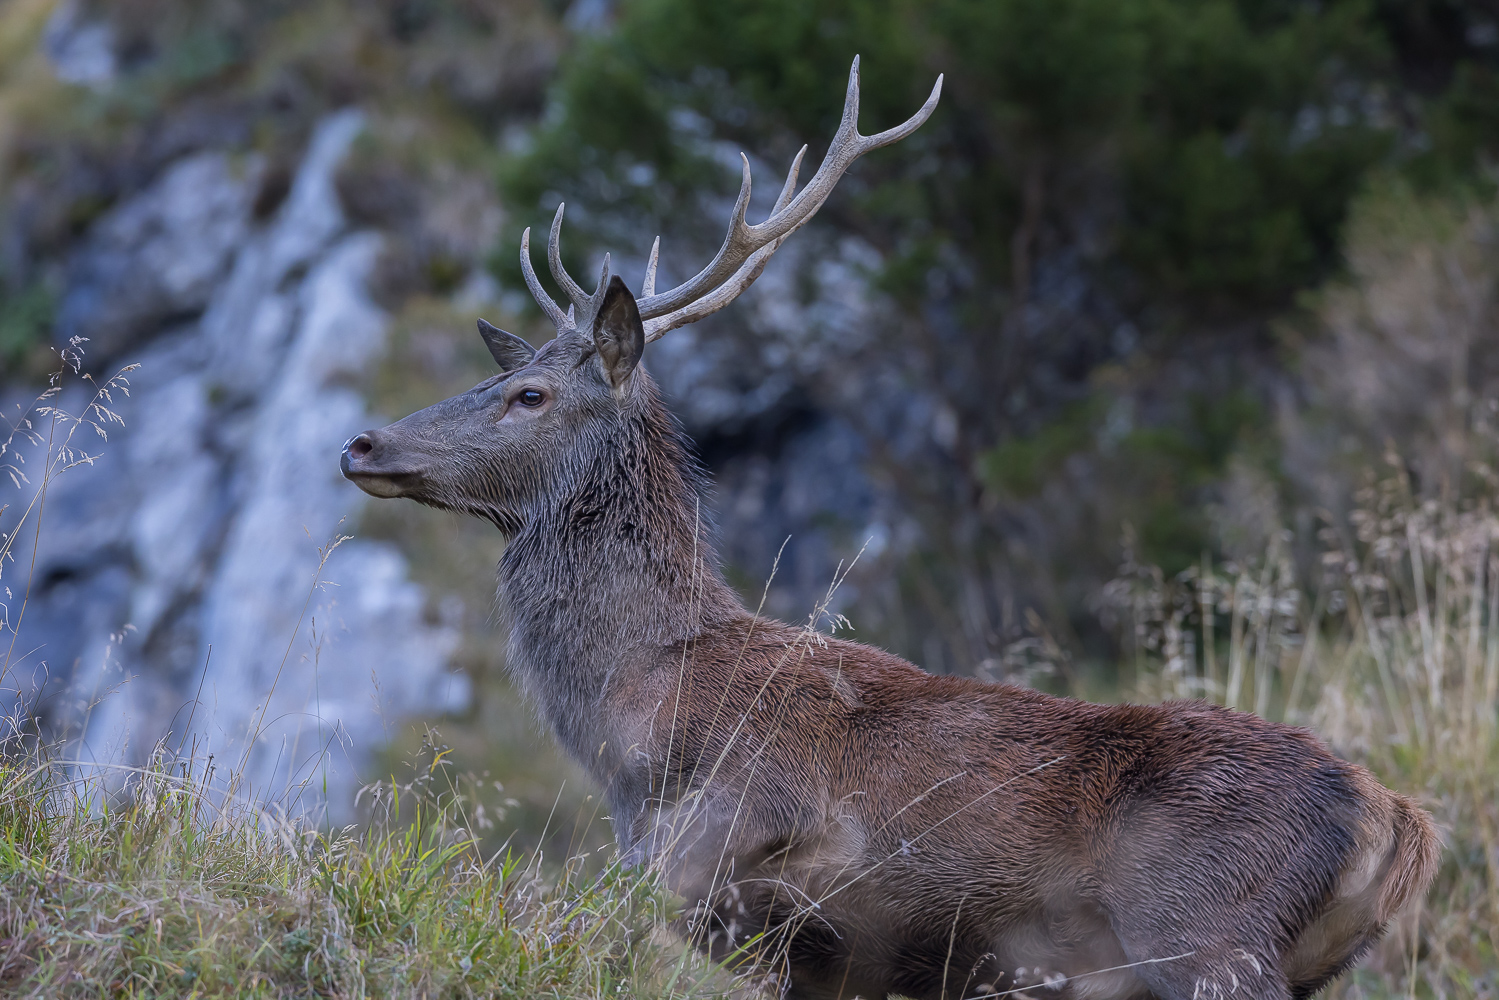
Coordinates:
(1197, 157)
(1237, 130)
(25, 322)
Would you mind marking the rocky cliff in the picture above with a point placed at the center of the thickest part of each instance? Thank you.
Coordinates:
(177, 587)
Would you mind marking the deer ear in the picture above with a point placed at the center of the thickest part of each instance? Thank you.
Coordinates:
(508, 350)
(618, 335)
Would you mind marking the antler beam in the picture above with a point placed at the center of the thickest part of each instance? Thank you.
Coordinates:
(741, 279)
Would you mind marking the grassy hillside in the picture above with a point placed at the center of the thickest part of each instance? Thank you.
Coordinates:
(153, 884)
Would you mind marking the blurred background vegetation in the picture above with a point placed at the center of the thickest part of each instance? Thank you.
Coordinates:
(1108, 258)
(1163, 283)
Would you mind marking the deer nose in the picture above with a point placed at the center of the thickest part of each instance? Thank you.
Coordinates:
(360, 445)
(356, 448)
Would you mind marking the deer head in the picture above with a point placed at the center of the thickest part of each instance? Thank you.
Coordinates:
(550, 416)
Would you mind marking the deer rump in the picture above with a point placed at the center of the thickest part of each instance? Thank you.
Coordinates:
(834, 817)
(865, 828)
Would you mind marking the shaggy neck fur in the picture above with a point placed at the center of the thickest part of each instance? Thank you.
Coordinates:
(611, 568)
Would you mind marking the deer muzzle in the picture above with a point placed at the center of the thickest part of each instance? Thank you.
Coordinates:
(372, 463)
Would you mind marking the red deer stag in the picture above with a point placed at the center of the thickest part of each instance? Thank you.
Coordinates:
(834, 815)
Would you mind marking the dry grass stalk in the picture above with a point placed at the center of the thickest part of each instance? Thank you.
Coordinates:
(1394, 660)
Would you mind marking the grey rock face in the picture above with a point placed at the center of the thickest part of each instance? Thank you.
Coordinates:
(183, 559)
(80, 50)
(159, 256)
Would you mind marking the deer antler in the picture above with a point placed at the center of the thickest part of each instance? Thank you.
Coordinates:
(584, 306)
(746, 248)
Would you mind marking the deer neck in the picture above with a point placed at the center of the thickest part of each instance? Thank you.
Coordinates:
(611, 572)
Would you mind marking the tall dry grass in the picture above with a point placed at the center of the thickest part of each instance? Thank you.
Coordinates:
(1393, 658)
(1379, 629)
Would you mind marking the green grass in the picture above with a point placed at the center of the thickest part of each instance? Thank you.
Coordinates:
(149, 883)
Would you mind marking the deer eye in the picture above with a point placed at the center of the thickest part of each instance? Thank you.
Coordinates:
(530, 397)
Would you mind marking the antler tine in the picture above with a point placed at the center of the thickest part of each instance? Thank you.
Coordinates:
(905, 128)
(583, 307)
(648, 286)
(571, 288)
(744, 242)
(789, 188)
(554, 312)
(597, 298)
(581, 314)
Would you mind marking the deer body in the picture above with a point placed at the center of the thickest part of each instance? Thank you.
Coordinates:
(831, 813)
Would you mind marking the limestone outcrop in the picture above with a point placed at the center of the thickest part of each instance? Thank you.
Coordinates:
(175, 589)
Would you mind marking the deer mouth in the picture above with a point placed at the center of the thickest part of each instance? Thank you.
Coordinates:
(369, 466)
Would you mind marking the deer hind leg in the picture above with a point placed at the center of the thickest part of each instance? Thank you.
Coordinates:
(1358, 909)
(1187, 946)
(1215, 974)
(1182, 953)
